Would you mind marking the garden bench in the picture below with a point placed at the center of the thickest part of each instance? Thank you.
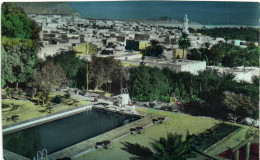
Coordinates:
(103, 144)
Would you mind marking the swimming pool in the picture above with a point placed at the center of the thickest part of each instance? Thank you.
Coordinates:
(62, 133)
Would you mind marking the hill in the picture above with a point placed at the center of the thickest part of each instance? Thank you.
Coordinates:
(60, 8)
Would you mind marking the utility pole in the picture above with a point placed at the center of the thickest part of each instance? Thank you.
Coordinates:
(87, 74)
(121, 80)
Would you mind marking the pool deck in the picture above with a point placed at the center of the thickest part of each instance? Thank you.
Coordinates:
(89, 145)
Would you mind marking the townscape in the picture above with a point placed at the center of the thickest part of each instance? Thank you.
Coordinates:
(81, 88)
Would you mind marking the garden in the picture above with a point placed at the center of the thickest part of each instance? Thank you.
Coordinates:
(18, 110)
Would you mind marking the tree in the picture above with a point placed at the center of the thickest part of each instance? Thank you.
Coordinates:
(240, 105)
(48, 78)
(16, 26)
(154, 50)
(18, 61)
(184, 43)
(218, 52)
(18, 50)
(104, 70)
(170, 148)
(74, 68)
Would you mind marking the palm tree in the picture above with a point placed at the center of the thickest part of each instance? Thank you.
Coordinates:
(184, 43)
(168, 148)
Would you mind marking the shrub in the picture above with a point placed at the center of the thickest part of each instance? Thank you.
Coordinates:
(240, 105)
(9, 91)
(20, 93)
(56, 99)
(5, 105)
(67, 95)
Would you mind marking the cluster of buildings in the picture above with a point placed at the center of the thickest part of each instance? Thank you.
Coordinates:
(121, 39)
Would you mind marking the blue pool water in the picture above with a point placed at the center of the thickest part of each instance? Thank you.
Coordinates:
(62, 133)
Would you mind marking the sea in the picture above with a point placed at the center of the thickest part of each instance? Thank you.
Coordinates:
(205, 13)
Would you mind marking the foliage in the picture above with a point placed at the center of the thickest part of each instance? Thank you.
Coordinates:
(74, 67)
(155, 50)
(184, 42)
(57, 100)
(148, 83)
(172, 147)
(240, 105)
(203, 93)
(5, 105)
(9, 91)
(105, 70)
(35, 34)
(16, 26)
(67, 95)
(242, 33)
(18, 60)
(10, 8)
(48, 77)
(19, 37)
(228, 55)
(20, 93)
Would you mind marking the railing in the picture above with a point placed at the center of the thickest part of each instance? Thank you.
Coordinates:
(41, 155)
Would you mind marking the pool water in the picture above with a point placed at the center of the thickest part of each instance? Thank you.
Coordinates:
(65, 132)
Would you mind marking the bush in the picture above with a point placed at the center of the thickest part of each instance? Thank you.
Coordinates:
(56, 99)
(9, 91)
(67, 95)
(20, 93)
(5, 105)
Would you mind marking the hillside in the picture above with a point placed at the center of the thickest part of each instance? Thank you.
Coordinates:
(60, 8)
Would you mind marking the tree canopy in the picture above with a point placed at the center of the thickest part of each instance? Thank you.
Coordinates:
(184, 42)
(155, 50)
(18, 48)
(242, 33)
(105, 70)
(227, 55)
(74, 67)
(170, 148)
(49, 77)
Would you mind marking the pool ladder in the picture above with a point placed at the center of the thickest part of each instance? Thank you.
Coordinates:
(42, 155)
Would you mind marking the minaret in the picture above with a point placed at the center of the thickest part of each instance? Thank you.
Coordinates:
(185, 24)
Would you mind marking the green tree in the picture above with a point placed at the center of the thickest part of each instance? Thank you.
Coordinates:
(18, 61)
(184, 43)
(155, 50)
(74, 67)
(170, 148)
(218, 53)
(16, 26)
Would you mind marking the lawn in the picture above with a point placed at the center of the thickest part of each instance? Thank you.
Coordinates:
(28, 110)
(177, 123)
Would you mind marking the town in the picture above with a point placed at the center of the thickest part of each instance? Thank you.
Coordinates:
(125, 39)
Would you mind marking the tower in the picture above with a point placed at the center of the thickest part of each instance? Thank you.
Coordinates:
(185, 24)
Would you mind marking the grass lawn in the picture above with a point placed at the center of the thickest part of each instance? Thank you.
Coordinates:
(177, 123)
(28, 110)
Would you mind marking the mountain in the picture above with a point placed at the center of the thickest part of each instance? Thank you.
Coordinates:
(60, 8)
